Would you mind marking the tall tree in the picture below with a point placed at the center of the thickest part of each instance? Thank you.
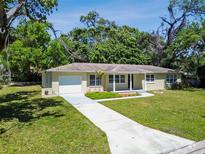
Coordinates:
(55, 55)
(124, 45)
(188, 49)
(26, 53)
(180, 12)
(10, 10)
(103, 41)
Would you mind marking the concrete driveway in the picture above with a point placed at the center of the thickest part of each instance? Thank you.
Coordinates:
(125, 136)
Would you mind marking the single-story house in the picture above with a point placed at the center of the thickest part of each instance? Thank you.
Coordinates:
(89, 77)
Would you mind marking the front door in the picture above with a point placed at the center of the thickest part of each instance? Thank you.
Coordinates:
(129, 81)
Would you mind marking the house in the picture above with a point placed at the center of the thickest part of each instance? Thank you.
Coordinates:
(88, 77)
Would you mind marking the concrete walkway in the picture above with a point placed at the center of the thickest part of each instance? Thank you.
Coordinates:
(141, 93)
(195, 148)
(125, 136)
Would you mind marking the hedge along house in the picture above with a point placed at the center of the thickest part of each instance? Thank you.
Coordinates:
(89, 77)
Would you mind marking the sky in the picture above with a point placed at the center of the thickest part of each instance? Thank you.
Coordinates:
(141, 14)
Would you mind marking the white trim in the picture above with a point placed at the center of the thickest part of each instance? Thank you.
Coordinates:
(151, 82)
(145, 82)
(113, 82)
(117, 83)
(130, 82)
(95, 86)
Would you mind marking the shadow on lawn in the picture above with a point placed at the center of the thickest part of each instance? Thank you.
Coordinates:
(17, 96)
(26, 110)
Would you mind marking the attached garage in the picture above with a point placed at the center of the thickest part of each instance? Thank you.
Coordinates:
(70, 84)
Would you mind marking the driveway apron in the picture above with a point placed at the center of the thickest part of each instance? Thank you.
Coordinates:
(125, 136)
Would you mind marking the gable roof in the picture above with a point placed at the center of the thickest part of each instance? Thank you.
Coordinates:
(110, 68)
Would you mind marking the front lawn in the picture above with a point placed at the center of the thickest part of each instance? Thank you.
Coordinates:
(31, 124)
(104, 95)
(179, 112)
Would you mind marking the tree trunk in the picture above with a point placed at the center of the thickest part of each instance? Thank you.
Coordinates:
(2, 41)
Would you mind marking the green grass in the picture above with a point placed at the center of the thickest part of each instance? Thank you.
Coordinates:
(104, 95)
(31, 124)
(179, 112)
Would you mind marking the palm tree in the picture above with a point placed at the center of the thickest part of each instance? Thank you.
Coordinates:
(100, 73)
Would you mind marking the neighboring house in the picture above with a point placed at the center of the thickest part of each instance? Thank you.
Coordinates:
(84, 77)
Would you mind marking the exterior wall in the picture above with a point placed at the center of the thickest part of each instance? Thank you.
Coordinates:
(46, 92)
(43, 84)
(158, 84)
(46, 79)
(138, 81)
(50, 82)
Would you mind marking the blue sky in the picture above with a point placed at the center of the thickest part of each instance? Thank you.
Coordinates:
(142, 14)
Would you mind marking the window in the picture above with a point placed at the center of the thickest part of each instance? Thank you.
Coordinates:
(150, 77)
(122, 78)
(118, 79)
(110, 78)
(95, 80)
(171, 78)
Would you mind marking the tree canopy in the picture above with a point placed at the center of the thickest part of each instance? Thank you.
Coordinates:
(180, 13)
(26, 52)
(10, 10)
(178, 43)
(104, 41)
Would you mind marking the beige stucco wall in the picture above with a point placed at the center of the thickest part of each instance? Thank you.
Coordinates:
(52, 84)
(158, 84)
(46, 79)
(138, 78)
(43, 84)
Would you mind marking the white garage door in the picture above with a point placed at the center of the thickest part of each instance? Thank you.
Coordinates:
(69, 84)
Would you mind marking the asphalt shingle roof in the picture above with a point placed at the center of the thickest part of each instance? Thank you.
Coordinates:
(110, 68)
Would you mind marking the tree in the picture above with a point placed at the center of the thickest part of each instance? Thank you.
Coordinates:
(27, 51)
(188, 48)
(10, 10)
(97, 27)
(124, 45)
(180, 12)
(55, 55)
(103, 41)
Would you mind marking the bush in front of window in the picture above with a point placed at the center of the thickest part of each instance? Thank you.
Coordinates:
(177, 86)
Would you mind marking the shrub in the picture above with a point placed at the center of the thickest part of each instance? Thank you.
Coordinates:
(178, 86)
